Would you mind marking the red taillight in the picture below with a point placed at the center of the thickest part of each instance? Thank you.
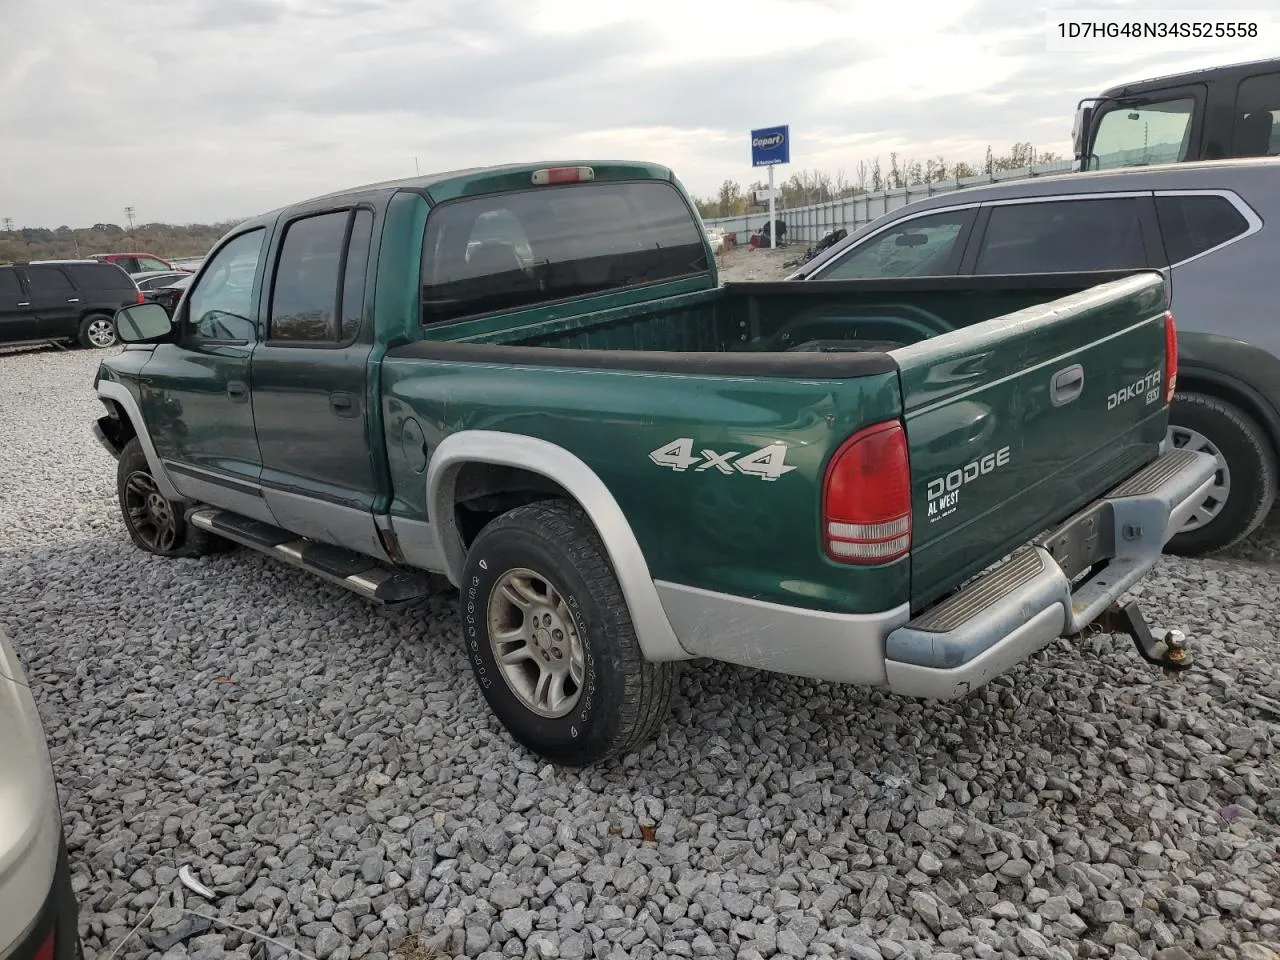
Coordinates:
(1170, 357)
(548, 175)
(866, 497)
(45, 951)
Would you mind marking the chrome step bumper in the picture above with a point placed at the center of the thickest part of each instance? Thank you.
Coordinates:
(1031, 599)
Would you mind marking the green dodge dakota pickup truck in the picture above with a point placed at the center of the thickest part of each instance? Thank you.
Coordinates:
(529, 379)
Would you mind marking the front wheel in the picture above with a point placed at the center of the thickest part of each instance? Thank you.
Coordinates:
(155, 523)
(551, 642)
(97, 330)
(1244, 486)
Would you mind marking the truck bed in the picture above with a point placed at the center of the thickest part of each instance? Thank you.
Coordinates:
(780, 317)
(835, 356)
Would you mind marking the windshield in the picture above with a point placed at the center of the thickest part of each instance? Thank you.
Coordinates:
(1134, 136)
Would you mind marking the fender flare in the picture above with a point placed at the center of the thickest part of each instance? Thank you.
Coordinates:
(653, 629)
(119, 393)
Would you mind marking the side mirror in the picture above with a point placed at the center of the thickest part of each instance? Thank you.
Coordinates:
(1080, 129)
(911, 240)
(143, 323)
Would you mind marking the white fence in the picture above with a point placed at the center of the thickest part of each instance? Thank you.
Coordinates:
(807, 224)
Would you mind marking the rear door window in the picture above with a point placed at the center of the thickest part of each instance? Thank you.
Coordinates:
(552, 243)
(10, 288)
(1194, 223)
(99, 276)
(353, 274)
(1063, 236)
(919, 247)
(48, 280)
(149, 263)
(304, 296)
(1256, 132)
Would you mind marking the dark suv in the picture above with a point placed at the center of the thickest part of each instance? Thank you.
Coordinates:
(1212, 227)
(63, 300)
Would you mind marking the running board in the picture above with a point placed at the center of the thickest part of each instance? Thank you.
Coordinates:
(344, 568)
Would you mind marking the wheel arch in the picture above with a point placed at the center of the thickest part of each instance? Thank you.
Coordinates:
(117, 427)
(564, 472)
(1223, 386)
(117, 393)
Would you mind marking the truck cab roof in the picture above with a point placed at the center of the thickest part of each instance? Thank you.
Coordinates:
(474, 181)
(1230, 72)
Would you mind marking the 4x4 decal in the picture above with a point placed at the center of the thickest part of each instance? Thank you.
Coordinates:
(767, 463)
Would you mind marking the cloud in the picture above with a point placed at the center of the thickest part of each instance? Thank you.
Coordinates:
(207, 109)
(230, 14)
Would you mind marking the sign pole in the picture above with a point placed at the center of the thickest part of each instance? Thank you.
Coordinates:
(769, 147)
(773, 226)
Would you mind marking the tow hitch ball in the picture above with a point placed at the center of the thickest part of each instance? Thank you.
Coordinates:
(1169, 653)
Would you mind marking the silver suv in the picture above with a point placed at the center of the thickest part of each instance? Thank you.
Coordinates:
(1212, 228)
(38, 914)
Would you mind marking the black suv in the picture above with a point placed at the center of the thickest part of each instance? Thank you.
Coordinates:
(53, 300)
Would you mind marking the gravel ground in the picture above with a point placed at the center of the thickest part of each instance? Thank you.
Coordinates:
(743, 263)
(331, 771)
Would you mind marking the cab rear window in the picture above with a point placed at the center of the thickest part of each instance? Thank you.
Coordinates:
(519, 249)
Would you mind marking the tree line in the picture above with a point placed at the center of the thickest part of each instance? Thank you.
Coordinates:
(66, 243)
(817, 186)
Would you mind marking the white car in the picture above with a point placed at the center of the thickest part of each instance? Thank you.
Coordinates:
(38, 913)
(715, 236)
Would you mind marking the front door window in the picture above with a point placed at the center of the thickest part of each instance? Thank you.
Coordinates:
(221, 306)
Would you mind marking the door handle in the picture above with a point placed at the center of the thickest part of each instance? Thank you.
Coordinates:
(25, 303)
(74, 300)
(1066, 385)
(238, 391)
(343, 404)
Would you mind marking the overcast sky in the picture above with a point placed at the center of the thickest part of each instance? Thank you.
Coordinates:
(202, 110)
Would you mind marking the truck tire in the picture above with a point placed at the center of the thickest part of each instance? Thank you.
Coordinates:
(97, 330)
(1245, 486)
(157, 524)
(551, 642)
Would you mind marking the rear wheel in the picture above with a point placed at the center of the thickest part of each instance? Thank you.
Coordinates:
(97, 330)
(155, 523)
(1244, 487)
(551, 642)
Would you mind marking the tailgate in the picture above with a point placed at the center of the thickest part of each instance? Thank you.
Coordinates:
(1016, 422)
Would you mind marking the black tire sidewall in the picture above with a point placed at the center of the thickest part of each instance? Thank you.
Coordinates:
(590, 728)
(1245, 448)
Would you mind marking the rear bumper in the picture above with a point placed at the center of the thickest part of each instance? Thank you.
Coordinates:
(1028, 601)
(994, 622)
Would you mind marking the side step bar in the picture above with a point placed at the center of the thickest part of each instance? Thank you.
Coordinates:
(345, 568)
